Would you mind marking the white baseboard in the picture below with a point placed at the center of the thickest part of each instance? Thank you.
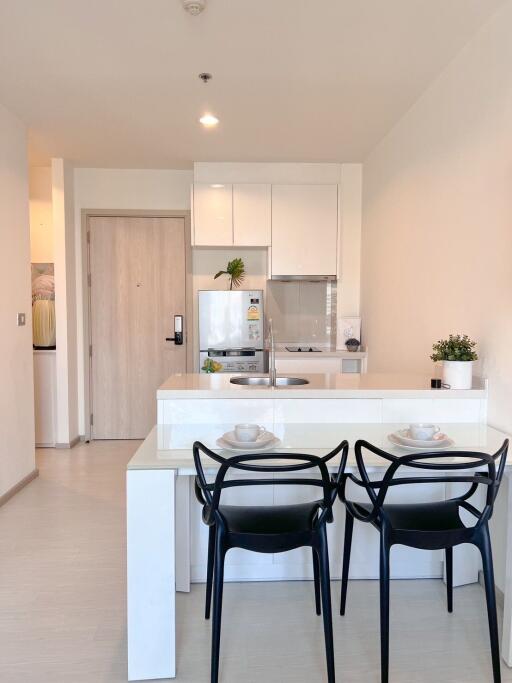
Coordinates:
(17, 487)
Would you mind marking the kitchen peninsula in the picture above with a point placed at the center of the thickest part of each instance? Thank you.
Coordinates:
(167, 542)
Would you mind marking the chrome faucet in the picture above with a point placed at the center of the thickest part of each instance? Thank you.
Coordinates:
(272, 375)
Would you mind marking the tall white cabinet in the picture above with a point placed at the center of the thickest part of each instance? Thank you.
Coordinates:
(304, 229)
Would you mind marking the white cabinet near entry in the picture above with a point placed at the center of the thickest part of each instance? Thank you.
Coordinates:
(252, 215)
(304, 229)
(213, 215)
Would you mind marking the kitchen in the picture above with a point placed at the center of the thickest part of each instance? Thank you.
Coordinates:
(271, 233)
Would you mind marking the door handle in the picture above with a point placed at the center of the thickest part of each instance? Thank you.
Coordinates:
(178, 331)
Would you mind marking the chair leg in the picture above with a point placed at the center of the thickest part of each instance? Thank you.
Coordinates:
(349, 526)
(325, 584)
(384, 607)
(484, 545)
(316, 574)
(218, 586)
(449, 577)
(209, 571)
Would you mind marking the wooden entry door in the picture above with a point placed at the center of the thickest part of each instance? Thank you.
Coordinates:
(137, 285)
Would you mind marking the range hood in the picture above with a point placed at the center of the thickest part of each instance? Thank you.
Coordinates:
(304, 278)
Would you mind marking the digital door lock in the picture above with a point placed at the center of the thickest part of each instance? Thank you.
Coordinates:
(178, 331)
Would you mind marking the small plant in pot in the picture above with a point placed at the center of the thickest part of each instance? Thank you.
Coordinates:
(352, 344)
(457, 354)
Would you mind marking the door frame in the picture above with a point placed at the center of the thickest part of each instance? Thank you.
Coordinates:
(86, 214)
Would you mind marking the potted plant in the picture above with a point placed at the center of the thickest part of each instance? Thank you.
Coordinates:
(352, 344)
(236, 271)
(457, 354)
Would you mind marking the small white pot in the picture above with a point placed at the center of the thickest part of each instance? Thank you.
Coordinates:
(458, 374)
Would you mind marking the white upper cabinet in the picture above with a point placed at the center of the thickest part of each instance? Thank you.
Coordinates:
(252, 215)
(213, 215)
(304, 229)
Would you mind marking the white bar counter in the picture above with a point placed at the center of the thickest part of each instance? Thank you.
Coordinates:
(167, 541)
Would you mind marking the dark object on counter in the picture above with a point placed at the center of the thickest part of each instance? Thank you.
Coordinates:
(352, 344)
(435, 383)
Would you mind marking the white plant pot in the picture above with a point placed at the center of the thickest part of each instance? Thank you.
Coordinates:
(458, 374)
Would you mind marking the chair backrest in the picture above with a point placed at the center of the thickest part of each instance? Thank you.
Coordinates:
(264, 464)
(465, 467)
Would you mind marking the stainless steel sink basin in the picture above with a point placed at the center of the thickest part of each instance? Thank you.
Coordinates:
(265, 381)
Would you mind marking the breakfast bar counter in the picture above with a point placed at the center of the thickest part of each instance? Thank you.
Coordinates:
(167, 542)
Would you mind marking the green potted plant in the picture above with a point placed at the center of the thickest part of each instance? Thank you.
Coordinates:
(457, 353)
(236, 271)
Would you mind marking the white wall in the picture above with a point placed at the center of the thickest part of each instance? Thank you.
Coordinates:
(41, 229)
(65, 302)
(16, 367)
(437, 221)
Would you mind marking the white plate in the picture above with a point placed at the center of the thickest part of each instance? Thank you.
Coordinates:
(263, 439)
(226, 446)
(403, 435)
(440, 444)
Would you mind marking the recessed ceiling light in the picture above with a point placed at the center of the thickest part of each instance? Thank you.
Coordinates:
(209, 120)
(216, 186)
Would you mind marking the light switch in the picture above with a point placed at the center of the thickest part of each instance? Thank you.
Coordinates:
(21, 319)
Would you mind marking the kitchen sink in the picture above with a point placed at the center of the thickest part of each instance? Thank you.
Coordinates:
(265, 381)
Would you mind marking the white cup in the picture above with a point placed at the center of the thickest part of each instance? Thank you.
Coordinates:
(248, 432)
(422, 431)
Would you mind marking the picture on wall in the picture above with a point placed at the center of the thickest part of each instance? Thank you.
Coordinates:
(43, 306)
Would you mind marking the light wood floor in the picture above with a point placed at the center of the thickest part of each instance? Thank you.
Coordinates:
(62, 601)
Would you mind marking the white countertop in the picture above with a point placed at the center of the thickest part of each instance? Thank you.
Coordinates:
(351, 385)
(170, 447)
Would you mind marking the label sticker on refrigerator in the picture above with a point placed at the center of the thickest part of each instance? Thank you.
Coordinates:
(253, 313)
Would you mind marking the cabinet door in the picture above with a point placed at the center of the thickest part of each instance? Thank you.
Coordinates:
(213, 215)
(304, 229)
(308, 365)
(251, 215)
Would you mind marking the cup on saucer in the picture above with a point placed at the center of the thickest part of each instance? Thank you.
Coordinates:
(423, 431)
(248, 432)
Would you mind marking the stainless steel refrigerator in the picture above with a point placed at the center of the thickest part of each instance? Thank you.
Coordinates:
(231, 330)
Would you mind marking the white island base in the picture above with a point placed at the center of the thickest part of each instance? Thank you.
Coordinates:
(167, 541)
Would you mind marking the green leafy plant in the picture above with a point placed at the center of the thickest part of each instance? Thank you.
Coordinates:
(456, 347)
(236, 271)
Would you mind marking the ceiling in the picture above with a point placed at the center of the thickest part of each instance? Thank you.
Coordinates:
(115, 82)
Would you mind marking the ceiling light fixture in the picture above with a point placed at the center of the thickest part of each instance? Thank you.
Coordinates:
(209, 120)
(194, 7)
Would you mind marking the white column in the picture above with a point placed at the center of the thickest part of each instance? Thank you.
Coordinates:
(151, 574)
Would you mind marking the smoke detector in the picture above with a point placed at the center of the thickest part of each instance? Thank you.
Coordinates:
(194, 7)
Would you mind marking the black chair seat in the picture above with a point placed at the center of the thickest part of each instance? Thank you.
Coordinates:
(437, 516)
(272, 519)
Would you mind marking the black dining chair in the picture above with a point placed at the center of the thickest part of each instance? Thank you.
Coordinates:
(428, 526)
(270, 529)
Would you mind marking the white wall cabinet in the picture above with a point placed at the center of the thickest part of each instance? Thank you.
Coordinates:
(252, 215)
(213, 215)
(228, 215)
(304, 229)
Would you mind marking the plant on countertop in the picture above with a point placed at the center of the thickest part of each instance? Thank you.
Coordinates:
(236, 271)
(211, 365)
(352, 344)
(456, 347)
